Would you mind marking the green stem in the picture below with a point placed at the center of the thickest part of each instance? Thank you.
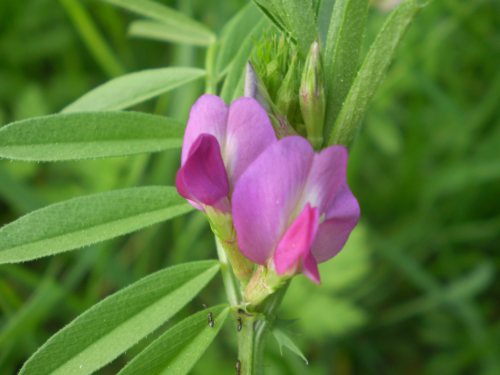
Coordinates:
(252, 336)
(251, 344)
(211, 79)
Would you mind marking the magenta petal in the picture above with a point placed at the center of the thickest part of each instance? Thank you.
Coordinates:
(266, 196)
(249, 132)
(340, 219)
(310, 268)
(295, 245)
(202, 178)
(327, 189)
(208, 116)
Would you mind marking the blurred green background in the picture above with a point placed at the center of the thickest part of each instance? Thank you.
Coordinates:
(415, 290)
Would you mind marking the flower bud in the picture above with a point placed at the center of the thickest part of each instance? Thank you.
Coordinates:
(286, 97)
(254, 88)
(312, 97)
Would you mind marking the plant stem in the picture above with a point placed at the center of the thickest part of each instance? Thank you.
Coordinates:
(251, 344)
(211, 79)
(253, 333)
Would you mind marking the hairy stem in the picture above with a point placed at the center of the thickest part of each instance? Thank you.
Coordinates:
(253, 333)
(251, 344)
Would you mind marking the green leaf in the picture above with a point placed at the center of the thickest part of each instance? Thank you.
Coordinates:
(179, 348)
(295, 18)
(341, 55)
(159, 31)
(372, 72)
(133, 88)
(301, 20)
(233, 35)
(285, 341)
(274, 12)
(86, 220)
(88, 135)
(114, 325)
(174, 20)
(236, 73)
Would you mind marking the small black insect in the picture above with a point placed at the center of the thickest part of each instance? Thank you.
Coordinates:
(238, 367)
(211, 321)
(239, 325)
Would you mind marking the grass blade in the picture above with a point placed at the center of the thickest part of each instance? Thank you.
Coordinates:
(92, 38)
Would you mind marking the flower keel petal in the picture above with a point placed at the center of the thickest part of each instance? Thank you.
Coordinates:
(293, 253)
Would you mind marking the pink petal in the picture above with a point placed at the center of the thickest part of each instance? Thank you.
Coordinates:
(295, 245)
(249, 132)
(202, 178)
(208, 116)
(327, 189)
(265, 198)
(327, 175)
(340, 219)
(310, 268)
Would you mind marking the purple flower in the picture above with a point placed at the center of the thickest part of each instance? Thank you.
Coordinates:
(219, 144)
(292, 208)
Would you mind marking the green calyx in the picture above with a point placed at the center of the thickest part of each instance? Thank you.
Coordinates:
(222, 226)
(312, 96)
(264, 283)
(277, 65)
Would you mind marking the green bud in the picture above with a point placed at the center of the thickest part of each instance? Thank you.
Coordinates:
(312, 97)
(286, 98)
(254, 88)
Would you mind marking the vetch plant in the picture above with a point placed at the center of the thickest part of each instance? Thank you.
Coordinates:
(265, 161)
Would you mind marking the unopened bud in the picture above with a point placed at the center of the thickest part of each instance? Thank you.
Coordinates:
(286, 98)
(254, 88)
(312, 96)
